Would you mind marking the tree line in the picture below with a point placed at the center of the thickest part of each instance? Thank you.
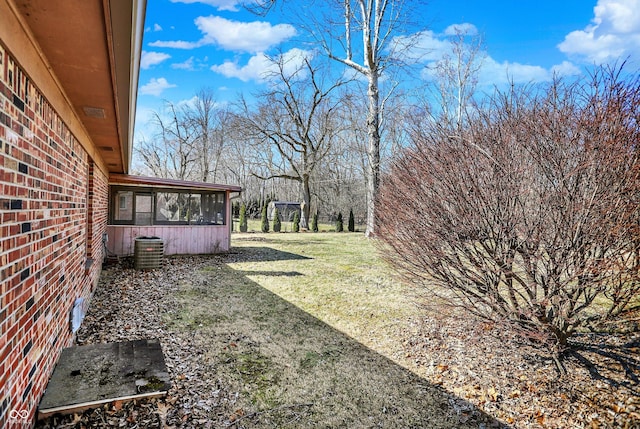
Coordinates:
(311, 136)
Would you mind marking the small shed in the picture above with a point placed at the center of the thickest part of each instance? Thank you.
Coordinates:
(285, 208)
(190, 217)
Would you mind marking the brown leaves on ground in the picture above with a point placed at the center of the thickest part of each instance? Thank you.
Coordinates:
(516, 383)
(480, 368)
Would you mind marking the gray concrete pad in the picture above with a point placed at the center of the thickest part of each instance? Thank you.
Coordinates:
(91, 375)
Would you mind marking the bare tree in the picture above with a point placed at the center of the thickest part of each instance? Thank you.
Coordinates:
(376, 22)
(342, 178)
(365, 28)
(172, 152)
(223, 135)
(207, 122)
(241, 162)
(294, 122)
(190, 140)
(455, 76)
(528, 215)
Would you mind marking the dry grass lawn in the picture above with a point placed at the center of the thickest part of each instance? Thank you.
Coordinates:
(302, 326)
(312, 331)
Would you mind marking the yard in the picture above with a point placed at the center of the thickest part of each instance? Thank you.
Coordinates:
(312, 330)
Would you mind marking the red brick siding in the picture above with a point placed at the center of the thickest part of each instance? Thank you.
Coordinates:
(49, 189)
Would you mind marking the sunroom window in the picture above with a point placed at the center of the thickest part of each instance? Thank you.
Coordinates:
(144, 211)
(123, 207)
(167, 207)
(171, 207)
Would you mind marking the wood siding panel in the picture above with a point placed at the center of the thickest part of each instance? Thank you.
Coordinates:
(178, 240)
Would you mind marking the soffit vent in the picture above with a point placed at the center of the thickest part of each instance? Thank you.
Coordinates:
(94, 112)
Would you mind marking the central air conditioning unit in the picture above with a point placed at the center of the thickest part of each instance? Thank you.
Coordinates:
(148, 253)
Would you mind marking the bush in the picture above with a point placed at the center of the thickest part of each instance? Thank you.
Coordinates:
(243, 218)
(264, 223)
(339, 225)
(352, 223)
(314, 222)
(296, 221)
(530, 214)
(277, 225)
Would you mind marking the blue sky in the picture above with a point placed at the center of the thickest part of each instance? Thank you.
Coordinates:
(192, 44)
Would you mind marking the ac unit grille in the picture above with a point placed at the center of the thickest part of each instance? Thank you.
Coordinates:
(148, 253)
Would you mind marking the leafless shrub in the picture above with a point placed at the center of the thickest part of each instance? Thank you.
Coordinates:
(529, 215)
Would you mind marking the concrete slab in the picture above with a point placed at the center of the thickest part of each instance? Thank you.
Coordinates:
(91, 375)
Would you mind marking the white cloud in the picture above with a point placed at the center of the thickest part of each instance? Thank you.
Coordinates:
(175, 44)
(156, 27)
(187, 65)
(192, 103)
(465, 28)
(566, 68)
(252, 37)
(420, 47)
(149, 59)
(253, 70)
(431, 47)
(496, 73)
(619, 16)
(260, 67)
(436, 48)
(191, 64)
(230, 5)
(614, 33)
(155, 86)
(144, 116)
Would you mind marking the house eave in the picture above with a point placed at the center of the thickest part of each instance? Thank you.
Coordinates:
(156, 182)
(92, 50)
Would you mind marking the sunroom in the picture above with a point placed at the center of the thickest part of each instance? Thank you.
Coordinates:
(189, 217)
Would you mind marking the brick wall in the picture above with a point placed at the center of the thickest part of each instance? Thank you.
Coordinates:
(53, 212)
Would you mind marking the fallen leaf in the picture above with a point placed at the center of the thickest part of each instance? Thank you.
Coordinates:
(617, 408)
(162, 412)
(493, 394)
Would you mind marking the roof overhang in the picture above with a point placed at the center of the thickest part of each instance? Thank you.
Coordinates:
(93, 49)
(156, 182)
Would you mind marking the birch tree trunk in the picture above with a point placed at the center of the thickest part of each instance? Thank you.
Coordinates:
(373, 152)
